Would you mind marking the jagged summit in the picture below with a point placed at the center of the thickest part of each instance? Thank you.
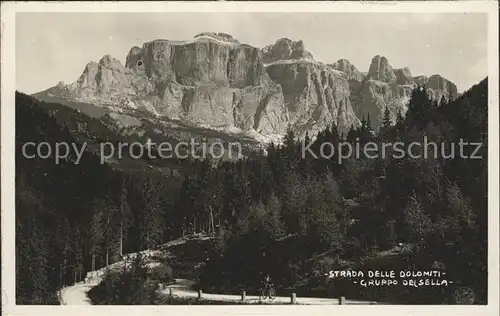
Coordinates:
(285, 49)
(388, 87)
(442, 87)
(220, 38)
(133, 56)
(421, 80)
(403, 76)
(381, 70)
(106, 60)
(224, 37)
(110, 62)
(215, 81)
(352, 73)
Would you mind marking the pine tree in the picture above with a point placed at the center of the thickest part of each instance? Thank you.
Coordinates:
(306, 161)
(152, 217)
(307, 139)
(126, 218)
(400, 119)
(96, 234)
(420, 107)
(417, 223)
(291, 150)
(335, 137)
(400, 124)
(289, 139)
(386, 122)
(108, 227)
(351, 135)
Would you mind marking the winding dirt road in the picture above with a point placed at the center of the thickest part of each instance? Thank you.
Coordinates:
(76, 294)
(183, 289)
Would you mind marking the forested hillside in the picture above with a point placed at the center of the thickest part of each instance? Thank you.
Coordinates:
(70, 216)
(299, 218)
(293, 218)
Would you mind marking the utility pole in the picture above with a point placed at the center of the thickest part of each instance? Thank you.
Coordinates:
(107, 249)
(121, 238)
(212, 221)
(93, 260)
(107, 237)
(123, 202)
(60, 280)
(209, 228)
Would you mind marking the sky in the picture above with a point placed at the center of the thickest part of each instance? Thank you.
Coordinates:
(54, 47)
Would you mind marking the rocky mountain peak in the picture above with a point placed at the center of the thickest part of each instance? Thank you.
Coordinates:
(421, 80)
(88, 75)
(442, 87)
(110, 62)
(352, 73)
(381, 70)
(285, 49)
(403, 76)
(223, 37)
(133, 56)
(215, 81)
(106, 60)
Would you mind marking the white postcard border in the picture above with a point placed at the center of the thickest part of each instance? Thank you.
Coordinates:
(8, 11)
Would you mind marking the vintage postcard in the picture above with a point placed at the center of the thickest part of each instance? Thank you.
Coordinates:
(290, 157)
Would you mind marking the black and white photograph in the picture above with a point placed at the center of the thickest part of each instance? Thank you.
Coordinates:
(243, 154)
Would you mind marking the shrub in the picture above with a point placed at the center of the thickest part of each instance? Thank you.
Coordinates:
(162, 273)
(127, 287)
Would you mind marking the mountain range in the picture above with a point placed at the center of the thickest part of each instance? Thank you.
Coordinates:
(217, 83)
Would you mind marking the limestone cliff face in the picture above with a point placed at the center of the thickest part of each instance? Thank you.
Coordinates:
(403, 76)
(372, 97)
(381, 70)
(285, 49)
(351, 72)
(439, 87)
(199, 62)
(421, 80)
(211, 81)
(315, 94)
(382, 87)
(386, 87)
(217, 82)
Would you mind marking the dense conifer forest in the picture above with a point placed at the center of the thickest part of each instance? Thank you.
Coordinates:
(278, 213)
